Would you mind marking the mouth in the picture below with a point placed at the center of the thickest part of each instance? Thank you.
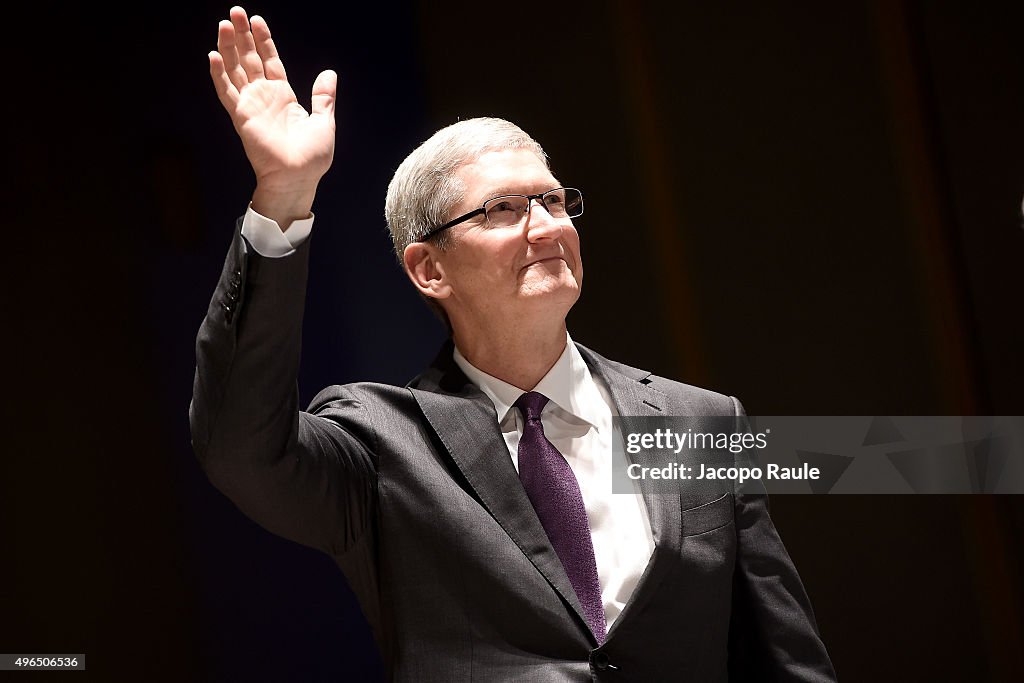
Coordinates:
(546, 260)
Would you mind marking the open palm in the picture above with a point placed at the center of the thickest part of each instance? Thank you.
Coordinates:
(287, 146)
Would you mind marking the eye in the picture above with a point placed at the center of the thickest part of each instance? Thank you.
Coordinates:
(556, 198)
(505, 211)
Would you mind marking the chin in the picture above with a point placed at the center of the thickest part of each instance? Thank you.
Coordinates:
(549, 292)
(543, 283)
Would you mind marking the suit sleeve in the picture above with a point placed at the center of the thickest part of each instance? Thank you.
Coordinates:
(772, 632)
(300, 476)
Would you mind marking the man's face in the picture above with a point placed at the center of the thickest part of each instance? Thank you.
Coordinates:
(533, 268)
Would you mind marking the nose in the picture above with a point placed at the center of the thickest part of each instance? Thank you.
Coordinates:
(540, 224)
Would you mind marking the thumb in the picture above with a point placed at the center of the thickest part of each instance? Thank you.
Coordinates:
(324, 89)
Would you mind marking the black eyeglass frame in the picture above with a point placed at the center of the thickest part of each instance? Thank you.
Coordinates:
(529, 207)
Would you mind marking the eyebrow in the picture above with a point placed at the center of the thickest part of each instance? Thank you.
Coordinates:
(508, 189)
(498, 191)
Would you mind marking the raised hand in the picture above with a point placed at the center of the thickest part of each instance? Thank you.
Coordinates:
(289, 148)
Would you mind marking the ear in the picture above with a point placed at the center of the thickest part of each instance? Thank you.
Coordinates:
(424, 267)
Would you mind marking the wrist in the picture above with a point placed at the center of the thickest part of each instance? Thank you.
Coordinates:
(283, 205)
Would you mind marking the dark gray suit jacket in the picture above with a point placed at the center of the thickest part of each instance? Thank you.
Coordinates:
(411, 491)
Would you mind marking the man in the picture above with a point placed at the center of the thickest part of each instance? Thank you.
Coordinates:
(472, 511)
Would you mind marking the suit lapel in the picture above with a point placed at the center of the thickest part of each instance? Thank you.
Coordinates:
(634, 398)
(464, 420)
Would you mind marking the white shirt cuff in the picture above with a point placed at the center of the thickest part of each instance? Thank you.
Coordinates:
(266, 237)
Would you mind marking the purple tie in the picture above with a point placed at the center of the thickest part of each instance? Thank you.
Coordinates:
(555, 494)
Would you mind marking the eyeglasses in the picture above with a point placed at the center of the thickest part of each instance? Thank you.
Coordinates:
(510, 209)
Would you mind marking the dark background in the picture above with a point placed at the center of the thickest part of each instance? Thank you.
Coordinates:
(815, 208)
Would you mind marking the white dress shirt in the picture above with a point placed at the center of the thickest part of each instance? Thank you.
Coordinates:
(265, 236)
(577, 421)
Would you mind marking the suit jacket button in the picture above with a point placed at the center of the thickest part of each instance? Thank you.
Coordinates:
(599, 660)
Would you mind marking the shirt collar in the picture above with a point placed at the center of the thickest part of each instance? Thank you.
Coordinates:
(568, 384)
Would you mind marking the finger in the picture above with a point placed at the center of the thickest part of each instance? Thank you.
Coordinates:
(273, 67)
(246, 46)
(325, 89)
(226, 91)
(226, 48)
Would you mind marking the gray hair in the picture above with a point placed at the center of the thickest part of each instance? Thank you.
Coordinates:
(425, 187)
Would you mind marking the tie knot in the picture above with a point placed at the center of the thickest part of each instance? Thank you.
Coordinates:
(530, 404)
